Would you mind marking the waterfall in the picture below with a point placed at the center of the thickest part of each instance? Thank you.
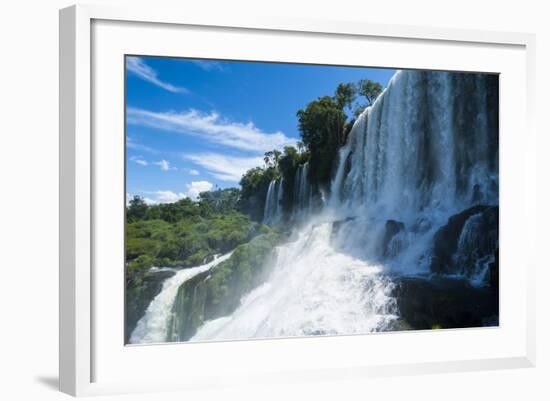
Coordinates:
(313, 290)
(273, 202)
(280, 194)
(429, 142)
(303, 194)
(426, 150)
(153, 327)
(270, 200)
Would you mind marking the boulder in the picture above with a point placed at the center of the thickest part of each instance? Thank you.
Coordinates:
(337, 225)
(444, 303)
(479, 241)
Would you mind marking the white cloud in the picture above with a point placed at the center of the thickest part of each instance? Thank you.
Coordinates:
(150, 201)
(209, 65)
(139, 68)
(164, 165)
(163, 197)
(211, 127)
(139, 160)
(225, 168)
(192, 171)
(196, 187)
(167, 196)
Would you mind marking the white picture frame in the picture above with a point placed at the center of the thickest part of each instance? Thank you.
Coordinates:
(84, 328)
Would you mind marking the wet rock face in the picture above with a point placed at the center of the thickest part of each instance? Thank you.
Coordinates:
(393, 228)
(469, 239)
(445, 303)
(337, 225)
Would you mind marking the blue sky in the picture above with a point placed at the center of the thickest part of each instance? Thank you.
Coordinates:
(194, 125)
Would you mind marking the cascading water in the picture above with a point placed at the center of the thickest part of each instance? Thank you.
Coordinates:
(303, 193)
(428, 143)
(313, 289)
(153, 327)
(414, 192)
(280, 194)
(273, 202)
(424, 151)
(270, 201)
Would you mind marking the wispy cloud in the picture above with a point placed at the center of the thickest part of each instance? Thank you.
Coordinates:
(209, 65)
(225, 168)
(132, 144)
(211, 127)
(139, 160)
(191, 171)
(164, 165)
(138, 67)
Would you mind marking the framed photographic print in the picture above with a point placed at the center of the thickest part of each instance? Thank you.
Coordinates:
(310, 199)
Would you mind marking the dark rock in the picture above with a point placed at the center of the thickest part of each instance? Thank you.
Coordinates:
(493, 272)
(337, 225)
(209, 258)
(444, 303)
(398, 325)
(392, 228)
(483, 241)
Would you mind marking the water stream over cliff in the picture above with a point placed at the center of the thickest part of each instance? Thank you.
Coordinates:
(154, 326)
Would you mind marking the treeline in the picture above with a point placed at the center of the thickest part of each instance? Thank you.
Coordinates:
(185, 233)
(324, 126)
(209, 203)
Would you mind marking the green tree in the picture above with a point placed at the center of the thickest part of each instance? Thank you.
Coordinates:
(221, 200)
(321, 125)
(254, 185)
(370, 90)
(137, 209)
(345, 95)
(271, 158)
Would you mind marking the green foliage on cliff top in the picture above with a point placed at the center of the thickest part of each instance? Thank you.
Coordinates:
(324, 125)
(238, 275)
(218, 292)
(185, 233)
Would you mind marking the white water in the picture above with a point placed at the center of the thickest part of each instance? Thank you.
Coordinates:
(409, 154)
(410, 160)
(153, 326)
(302, 202)
(313, 289)
(273, 202)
